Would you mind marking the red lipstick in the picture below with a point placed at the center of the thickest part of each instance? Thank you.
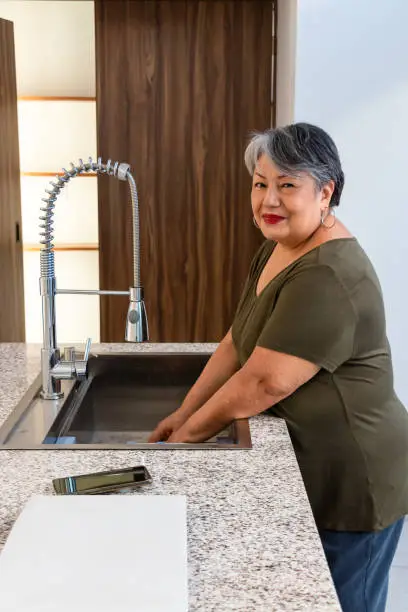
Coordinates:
(272, 219)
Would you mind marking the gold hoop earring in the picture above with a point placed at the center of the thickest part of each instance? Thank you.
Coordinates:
(324, 217)
(255, 223)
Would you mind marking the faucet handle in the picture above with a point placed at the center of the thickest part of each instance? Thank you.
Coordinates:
(81, 365)
(69, 353)
(87, 348)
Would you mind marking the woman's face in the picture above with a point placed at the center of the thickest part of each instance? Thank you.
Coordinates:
(287, 208)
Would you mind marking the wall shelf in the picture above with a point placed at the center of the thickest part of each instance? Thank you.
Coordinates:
(53, 174)
(55, 99)
(32, 247)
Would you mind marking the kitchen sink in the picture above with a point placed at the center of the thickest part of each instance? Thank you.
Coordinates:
(119, 404)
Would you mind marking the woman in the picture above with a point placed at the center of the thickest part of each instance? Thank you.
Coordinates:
(308, 342)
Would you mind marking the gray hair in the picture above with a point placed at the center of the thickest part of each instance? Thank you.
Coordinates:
(299, 147)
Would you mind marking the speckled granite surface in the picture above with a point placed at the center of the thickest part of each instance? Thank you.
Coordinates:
(252, 541)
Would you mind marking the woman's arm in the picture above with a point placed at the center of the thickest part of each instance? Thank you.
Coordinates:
(222, 364)
(312, 326)
(266, 379)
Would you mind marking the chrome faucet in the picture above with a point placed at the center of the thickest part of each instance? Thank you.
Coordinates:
(53, 368)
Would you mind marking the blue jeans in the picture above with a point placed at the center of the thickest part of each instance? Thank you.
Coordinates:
(359, 563)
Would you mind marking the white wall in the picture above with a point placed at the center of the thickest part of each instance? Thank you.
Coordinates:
(54, 45)
(285, 61)
(55, 56)
(352, 80)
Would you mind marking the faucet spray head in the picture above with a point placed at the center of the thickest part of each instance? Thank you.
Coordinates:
(137, 329)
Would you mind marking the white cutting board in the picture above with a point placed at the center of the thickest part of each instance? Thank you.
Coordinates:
(97, 553)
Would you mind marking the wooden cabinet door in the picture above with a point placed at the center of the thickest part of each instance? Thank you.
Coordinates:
(12, 327)
(180, 86)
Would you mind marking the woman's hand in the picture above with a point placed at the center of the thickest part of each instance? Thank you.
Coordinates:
(167, 427)
(182, 435)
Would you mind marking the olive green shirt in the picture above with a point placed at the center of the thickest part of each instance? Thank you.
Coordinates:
(348, 428)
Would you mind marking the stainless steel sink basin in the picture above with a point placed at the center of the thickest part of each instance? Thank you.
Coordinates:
(117, 407)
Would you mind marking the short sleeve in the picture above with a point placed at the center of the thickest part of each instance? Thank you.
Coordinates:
(313, 319)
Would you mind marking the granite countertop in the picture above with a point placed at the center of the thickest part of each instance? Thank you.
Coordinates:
(252, 540)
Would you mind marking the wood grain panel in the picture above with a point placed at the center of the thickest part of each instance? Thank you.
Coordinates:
(180, 85)
(12, 328)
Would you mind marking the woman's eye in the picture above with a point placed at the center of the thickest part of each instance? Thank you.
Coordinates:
(259, 185)
(285, 185)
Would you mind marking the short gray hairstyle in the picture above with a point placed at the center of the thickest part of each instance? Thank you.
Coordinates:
(299, 147)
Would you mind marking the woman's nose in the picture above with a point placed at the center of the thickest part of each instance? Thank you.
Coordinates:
(271, 197)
